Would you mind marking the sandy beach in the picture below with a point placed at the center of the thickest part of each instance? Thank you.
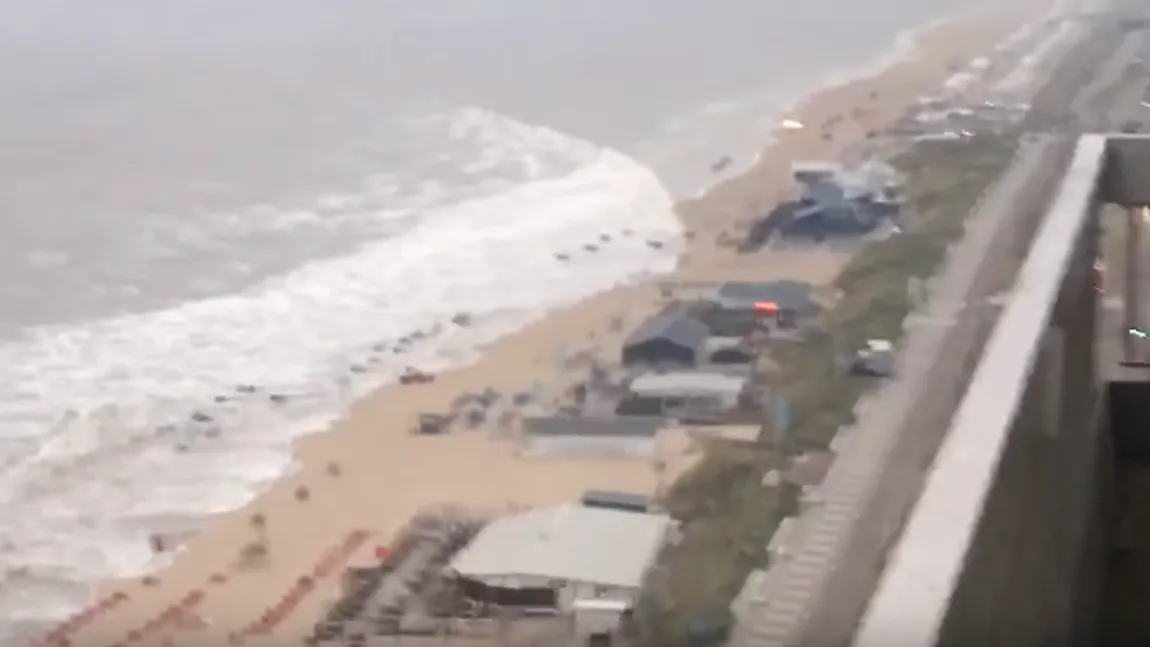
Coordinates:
(358, 483)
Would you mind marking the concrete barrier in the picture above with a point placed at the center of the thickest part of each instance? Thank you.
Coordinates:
(876, 479)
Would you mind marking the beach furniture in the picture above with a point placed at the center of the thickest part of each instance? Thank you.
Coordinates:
(60, 635)
(434, 423)
(329, 562)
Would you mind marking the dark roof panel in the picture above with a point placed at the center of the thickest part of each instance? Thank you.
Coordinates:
(826, 194)
(679, 329)
(792, 295)
(615, 497)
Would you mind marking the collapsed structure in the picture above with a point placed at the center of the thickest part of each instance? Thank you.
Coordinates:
(834, 202)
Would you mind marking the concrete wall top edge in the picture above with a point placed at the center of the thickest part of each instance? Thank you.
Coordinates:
(923, 569)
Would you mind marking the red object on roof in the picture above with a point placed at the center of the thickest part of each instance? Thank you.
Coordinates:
(766, 307)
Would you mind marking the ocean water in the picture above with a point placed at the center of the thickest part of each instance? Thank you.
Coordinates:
(196, 197)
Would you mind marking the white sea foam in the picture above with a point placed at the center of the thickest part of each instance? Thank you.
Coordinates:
(79, 497)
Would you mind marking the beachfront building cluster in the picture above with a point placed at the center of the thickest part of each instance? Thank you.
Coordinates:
(693, 363)
(579, 569)
(552, 558)
(548, 575)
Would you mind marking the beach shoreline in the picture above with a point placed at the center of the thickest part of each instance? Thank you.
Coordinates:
(369, 474)
(904, 47)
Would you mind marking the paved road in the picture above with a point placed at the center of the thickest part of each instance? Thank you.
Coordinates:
(826, 585)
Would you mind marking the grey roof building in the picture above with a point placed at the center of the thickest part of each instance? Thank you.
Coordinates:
(687, 384)
(549, 547)
(732, 311)
(795, 296)
(666, 339)
(698, 397)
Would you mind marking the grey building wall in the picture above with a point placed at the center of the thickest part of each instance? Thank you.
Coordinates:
(1031, 575)
(589, 445)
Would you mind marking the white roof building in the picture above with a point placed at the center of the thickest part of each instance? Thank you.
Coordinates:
(688, 384)
(568, 543)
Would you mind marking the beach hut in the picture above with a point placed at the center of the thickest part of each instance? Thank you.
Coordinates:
(698, 397)
(666, 339)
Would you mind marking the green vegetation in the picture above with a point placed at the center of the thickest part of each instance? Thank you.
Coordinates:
(728, 514)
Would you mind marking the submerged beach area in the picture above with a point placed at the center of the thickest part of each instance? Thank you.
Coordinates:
(355, 486)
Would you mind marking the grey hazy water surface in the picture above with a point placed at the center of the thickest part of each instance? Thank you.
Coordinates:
(125, 125)
(161, 151)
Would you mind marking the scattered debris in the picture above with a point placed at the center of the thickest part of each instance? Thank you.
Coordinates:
(434, 424)
(412, 375)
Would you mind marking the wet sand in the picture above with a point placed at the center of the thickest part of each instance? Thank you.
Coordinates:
(360, 482)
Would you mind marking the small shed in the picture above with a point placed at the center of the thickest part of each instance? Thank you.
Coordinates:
(596, 436)
(689, 396)
(666, 339)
